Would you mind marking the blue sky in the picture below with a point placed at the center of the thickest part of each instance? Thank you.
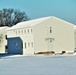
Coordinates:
(64, 9)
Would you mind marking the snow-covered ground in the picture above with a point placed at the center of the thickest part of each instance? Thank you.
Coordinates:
(38, 65)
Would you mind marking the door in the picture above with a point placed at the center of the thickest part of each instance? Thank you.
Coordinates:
(50, 45)
(15, 45)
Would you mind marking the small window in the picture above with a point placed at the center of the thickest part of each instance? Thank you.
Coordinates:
(50, 41)
(28, 31)
(28, 44)
(25, 45)
(32, 44)
(6, 47)
(50, 30)
(22, 31)
(6, 36)
(16, 32)
(25, 31)
(19, 32)
(31, 30)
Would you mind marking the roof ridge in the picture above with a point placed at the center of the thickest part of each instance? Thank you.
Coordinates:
(29, 23)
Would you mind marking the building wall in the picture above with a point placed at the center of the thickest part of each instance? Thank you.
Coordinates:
(26, 34)
(61, 37)
(42, 36)
(3, 42)
(64, 36)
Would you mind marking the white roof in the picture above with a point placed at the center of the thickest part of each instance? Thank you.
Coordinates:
(33, 23)
(28, 23)
(5, 27)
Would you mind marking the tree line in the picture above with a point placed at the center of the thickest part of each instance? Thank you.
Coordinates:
(10, 17)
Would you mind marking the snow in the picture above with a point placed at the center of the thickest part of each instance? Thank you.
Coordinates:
(38, 65)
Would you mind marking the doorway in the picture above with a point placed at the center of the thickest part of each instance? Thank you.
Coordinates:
(50, 45)
(15, 45)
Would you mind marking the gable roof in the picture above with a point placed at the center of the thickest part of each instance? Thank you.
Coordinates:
(28, 23)
(34, 22)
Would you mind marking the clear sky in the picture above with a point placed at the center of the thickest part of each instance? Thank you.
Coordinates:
(64, 9)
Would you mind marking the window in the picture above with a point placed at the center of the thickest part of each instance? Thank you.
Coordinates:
(32, 44)
(28, 31)
(25, 45)
(19, 32)
(6, 36)
(50, 30)
(16, 32)
(31, 30)
(6, 47)
(50, 40)
(22, 31)
(25, 31)
(28, 44)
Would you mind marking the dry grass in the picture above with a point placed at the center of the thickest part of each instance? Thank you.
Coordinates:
(47, 52)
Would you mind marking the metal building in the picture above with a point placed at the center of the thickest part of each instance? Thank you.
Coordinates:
(41, 35)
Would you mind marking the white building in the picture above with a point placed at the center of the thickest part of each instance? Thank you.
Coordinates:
(3, 39)
(41, 35)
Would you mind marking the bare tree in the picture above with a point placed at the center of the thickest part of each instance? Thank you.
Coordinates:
(10, 17)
